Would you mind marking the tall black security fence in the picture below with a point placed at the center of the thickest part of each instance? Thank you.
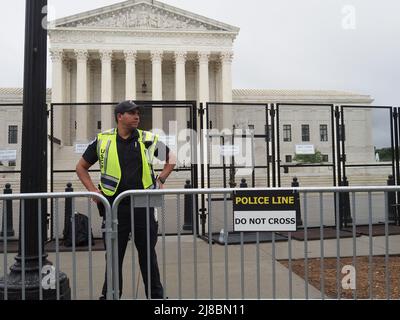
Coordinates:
(10, 144)
(250, 129)
(305, 144)
(10, 163)
(265, 144)
(66, 148)
(314, 144)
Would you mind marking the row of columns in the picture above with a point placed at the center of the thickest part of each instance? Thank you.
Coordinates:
(107, 117)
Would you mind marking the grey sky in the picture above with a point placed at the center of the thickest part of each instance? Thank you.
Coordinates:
(283, 44)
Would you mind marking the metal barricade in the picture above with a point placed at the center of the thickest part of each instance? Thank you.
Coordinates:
(312, 263)
(48, 278)
(321, 260)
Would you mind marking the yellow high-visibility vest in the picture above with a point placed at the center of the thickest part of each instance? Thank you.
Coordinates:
(109, 162)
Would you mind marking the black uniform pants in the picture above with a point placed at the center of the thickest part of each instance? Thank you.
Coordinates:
(140, 238)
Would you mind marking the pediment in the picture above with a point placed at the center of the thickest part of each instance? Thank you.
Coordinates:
(143, 15)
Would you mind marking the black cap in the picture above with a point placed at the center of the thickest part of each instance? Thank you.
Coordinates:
(126, 106)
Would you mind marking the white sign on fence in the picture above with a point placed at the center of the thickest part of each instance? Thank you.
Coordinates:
(305, 149)
(169, 141)
(81, 147)
(8, 155)
(265, 210)
(229, 150)
(265, 220)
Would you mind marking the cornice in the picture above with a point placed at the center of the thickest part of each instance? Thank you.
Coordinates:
(68, 39)
(143, 33)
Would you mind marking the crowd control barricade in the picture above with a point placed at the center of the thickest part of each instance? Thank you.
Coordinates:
(74, 274)
(335, 262)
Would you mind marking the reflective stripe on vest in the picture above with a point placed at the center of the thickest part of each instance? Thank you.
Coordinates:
(109, 162)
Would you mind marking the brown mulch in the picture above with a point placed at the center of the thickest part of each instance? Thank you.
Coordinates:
(362, 276)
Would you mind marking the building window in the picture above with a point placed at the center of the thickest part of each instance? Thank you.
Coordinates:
(12, 134)
(12, 163)
(287, 133)
(323, 132)
(325, 158)
(305, 132)
(268, 133)
(288, 159)
(99, 125)
(341, 133)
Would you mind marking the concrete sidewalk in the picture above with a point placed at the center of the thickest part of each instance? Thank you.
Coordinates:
(207, 278)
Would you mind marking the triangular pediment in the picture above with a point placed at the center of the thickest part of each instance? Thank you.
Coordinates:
(143, 15)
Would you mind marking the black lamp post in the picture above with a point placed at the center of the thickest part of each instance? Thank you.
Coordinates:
(144, 85)
(33, 167)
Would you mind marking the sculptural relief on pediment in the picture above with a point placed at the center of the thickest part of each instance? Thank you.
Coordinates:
(141, 17)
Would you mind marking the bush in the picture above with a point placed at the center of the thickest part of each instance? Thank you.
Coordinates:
(309, 158)
(385, 154)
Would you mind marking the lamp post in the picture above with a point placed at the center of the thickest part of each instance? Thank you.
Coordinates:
(144, 85)
(25, 278)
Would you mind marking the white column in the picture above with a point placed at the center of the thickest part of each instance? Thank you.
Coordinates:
(81, 95)
(156, 59)
(226, 65)
(57, 93)
(107, 111)
(130, 81)
(180, 89)
(180, 75)
(218, 80)
(204, 97)
(204, 79)
(67, 97)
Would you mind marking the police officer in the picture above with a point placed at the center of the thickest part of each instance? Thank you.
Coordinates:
(125, 155)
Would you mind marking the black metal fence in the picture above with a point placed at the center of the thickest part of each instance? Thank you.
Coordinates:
(273, 130)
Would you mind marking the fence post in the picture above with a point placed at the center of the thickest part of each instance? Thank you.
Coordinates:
(392, 208)
(9, 227)
(68, 210)
(344, 205)
(188, 211)
(243, 183)
(295, 184)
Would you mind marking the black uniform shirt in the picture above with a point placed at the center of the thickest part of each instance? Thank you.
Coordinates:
(130, 160)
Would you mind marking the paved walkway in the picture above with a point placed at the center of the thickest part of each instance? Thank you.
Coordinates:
(187, 280)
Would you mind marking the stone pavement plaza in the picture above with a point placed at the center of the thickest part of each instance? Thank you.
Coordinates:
(169, 264)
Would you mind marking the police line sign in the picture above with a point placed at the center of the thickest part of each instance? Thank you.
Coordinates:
(265, 210)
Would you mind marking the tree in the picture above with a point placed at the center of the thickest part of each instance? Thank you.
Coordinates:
(309, 158)
(385, 154)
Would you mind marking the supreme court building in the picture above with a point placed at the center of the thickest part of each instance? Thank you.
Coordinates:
(148, 50)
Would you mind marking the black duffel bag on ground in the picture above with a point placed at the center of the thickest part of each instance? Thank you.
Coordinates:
(81, 231)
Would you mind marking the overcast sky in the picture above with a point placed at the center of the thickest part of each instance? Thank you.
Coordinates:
(349, 45)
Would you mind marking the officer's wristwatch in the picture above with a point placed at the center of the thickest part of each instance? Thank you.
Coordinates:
(161, 180)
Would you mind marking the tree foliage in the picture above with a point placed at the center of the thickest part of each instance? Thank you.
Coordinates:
(309, 158)
(385, 154)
